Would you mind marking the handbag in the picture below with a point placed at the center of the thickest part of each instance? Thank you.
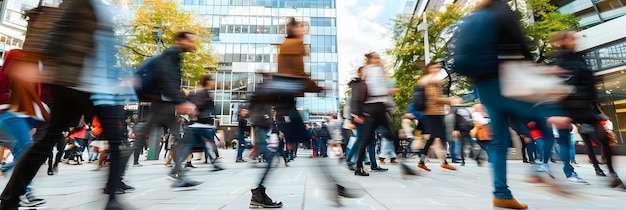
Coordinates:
(481, 132)
(612, 138)
(528, 81)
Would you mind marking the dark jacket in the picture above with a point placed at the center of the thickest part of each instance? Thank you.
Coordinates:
(580, 103)
(357, 100)
(462, 119)
(170, 75)
(205, 104)
(243, 124)
(71, 40)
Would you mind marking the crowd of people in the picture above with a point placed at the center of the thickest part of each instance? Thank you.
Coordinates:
(69, 94)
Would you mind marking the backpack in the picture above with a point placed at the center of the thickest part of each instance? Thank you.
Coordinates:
(419, 98)
(145, 81)
(475, 45)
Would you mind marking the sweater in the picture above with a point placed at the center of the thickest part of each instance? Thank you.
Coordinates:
(435, 102)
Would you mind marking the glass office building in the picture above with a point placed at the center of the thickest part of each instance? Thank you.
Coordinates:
(246, 35)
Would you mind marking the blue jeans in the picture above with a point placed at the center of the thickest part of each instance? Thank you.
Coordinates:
(500, 110)
(19, 128)
(260, 145)
(387, 149)
(321, 143)
(241, 141)
(200, 136)
(454, 150)
(539, 148)
(572, 148)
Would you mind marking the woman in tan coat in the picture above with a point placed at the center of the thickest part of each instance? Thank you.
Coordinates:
(434, 115)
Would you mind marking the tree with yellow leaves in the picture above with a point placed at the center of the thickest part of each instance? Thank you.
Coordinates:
(152, 18)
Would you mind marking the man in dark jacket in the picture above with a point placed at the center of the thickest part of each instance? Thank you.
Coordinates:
(173, 101)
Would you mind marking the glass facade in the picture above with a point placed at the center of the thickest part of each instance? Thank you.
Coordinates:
(246, 35)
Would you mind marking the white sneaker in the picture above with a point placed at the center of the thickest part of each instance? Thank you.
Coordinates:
(29, 200)
(576, 180)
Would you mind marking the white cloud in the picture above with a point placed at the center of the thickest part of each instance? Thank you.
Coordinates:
(357, 34)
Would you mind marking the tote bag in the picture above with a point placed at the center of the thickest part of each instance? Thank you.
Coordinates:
(528, 81)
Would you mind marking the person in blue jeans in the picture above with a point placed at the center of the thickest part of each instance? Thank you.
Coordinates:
(244, 129)
(20, 112)
(486, 38)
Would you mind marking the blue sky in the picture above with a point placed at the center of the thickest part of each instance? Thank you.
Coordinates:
(362, 27)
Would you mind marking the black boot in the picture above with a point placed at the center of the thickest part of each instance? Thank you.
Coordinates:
(189, 165)
(360, 171)
(260, 199)
(615, 181)
(599, 172)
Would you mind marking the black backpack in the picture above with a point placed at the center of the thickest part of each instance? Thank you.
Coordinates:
(419, 98)
(145, 81)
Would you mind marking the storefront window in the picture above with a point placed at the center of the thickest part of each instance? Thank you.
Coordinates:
(612, 99)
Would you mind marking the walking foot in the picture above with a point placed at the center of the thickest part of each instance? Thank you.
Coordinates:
(510, 203)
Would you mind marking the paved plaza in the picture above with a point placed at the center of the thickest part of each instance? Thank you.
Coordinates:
(302, 186)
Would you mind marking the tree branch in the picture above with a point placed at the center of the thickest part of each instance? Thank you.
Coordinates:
(135, 51)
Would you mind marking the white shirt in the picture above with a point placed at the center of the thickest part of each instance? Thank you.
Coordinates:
(479, 118)
(376, 82)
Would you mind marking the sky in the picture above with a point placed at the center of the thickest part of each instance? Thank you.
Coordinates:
(362, 27)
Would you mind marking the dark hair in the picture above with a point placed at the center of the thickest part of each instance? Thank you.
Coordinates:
(369, 55)
(290, 25)
(183, 35)
(359, 70)
(431, 64)
(205, 78)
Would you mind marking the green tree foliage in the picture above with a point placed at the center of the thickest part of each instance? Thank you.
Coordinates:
(167, 17)
(547, 21)
(408, 50)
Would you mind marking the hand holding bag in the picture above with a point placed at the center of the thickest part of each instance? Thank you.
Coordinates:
(531, 82)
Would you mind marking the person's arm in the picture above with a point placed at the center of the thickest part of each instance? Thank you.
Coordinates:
(479, 118)
(457, 119)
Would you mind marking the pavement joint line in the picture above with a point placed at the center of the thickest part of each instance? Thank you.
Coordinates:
(306, 179)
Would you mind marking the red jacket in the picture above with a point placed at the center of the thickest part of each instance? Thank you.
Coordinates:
(534, 132)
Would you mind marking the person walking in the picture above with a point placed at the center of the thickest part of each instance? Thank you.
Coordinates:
(370, 109)
(244, 130)
(489, 36)
(168, 101)
(434, 115)
(84, 80)
(204, 128)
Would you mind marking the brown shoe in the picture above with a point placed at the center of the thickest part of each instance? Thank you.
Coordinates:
(393, 161)
(510, 203)
(421, 166)
(446, 166)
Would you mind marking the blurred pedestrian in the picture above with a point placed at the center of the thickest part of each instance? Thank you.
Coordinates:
(168, 100)
(84, 81)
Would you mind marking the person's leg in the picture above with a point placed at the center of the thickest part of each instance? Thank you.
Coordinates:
(365, 137)
(241, 145)
(68, 105)
(371, 153)
(111, 117)
(572, 149)
(604, 142)
(141, 132)
(539, 147)
(530, 148)
(19, 128)
(324, 145)
(591, 153)
(525, 152)
(564, 147)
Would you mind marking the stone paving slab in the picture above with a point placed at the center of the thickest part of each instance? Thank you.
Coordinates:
(304, 186)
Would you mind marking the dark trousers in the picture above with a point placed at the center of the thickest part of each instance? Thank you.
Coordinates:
(435, 126)
(377, 118)
(525, 150)
(69, 105)
(164, 115)
(466, 141)
(241, 145)
(603, 139)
